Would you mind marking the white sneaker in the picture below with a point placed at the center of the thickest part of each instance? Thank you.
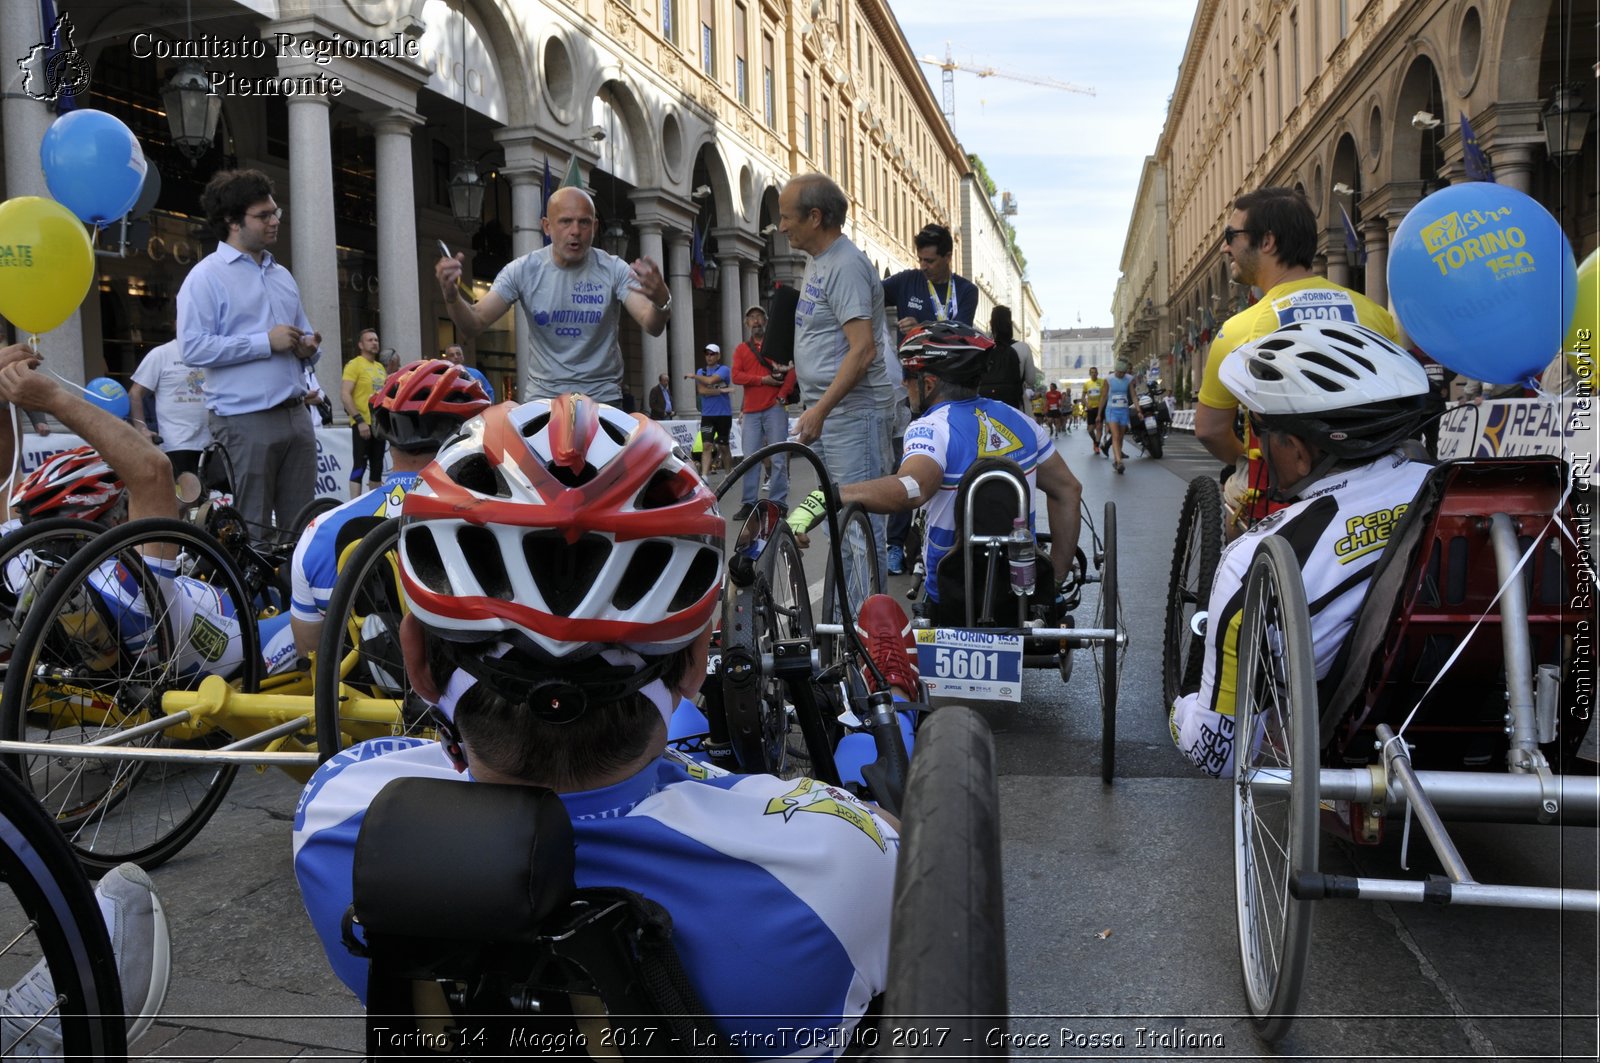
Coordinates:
(30, 1026)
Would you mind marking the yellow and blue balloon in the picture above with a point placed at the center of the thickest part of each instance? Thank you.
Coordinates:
(1483, 279)
(109, 395)
(46, 263)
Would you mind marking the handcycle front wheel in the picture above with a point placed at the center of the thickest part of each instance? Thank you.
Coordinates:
(30, 555)
(101, 646)
(358, 655)
(1275, 826)
(854, 522)
(42, 886)
(1194, 566)
(775, 606)
(947, 954)
(1108, 660)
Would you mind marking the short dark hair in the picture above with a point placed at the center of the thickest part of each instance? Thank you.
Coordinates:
(936, 237)
(506, 736)
(229, 194)
(1287, 215)
(1000, 328)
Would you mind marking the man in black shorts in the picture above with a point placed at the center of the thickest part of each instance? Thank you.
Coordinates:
(1091, 406)
(714, 382)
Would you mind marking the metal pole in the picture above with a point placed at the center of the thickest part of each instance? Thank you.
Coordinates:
(1398, 762)
(1514, 640)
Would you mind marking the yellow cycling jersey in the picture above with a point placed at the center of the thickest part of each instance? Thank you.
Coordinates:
(1307, 299)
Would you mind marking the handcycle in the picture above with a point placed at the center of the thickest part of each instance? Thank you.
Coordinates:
(992, 608)
(1418, 709)
(118, 713)
(520, 950)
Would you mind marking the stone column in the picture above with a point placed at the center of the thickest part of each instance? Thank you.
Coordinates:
(681, 353)
(1338, 266)
(1376, 233)
(311, 227)
(25, 121)
(655, 347)
(527, 236)
(399, 320)
(1514, 165)
(730, 287)
(752, 286)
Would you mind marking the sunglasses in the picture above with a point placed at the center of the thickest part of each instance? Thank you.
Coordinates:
(1229, 232)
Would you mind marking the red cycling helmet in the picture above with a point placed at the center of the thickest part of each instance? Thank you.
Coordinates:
(423, 404)
(949, 350)
(567, 525)
(74, 483)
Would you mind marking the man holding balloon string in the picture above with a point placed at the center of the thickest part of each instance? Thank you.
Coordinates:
(241, 320)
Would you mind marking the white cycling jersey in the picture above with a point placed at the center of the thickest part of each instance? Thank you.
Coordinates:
(779, 889)
(1337, 530)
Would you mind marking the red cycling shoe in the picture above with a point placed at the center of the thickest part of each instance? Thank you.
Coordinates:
(885, 631)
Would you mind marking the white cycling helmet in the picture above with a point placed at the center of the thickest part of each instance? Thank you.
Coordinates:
(1344, 387)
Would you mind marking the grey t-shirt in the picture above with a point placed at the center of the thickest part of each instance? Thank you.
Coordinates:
(571, 318)
(840, 286)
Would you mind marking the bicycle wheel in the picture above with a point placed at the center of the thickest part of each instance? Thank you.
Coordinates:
(1194, 565)
(358, 656)
(947, 951)
(101, 646)
(1274, 828)
(775, 606)
(853, 522)
(44, 890)
(310, 512)
(1108, 662)
(29, 557)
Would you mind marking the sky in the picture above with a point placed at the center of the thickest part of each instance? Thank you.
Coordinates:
(1072, 161)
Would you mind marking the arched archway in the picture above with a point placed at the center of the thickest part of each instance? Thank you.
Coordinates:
(1415, 152)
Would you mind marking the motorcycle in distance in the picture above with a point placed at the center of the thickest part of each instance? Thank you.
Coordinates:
(1148, 427)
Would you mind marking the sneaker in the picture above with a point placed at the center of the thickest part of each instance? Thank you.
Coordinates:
(885, 631)
(137, 926)
(897, 559)
(744, 512)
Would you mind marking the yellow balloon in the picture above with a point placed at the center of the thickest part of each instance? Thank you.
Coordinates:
(46, 263)
(1580, 340)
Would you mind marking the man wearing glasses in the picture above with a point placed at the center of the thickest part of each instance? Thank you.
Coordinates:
(240, 319)
(1269, 242)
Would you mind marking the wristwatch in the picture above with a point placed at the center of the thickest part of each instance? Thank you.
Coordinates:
(664, 307)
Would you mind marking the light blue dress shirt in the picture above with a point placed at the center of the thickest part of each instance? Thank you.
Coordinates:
(226, 307)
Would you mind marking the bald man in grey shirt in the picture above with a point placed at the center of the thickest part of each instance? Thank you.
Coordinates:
(571, 296)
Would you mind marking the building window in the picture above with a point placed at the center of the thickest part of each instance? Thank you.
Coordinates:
(805, 114)
(708, 38)
(741, 60)
(769, 86)
(827, 143)
(1294, 54)
(669, 20)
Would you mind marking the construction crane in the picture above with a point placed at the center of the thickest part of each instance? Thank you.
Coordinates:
(949, 67)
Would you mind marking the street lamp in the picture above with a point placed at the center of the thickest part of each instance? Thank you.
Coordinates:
(192, 109)
(614, 241)
(466, 195)
(1566, 123)
(710, 275)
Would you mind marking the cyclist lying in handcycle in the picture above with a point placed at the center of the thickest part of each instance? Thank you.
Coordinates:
(956, 429)
(563, 564)
(120, 475)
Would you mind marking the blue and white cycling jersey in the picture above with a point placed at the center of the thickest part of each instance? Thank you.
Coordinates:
(779, 890)
(956, 434)
(315, 566)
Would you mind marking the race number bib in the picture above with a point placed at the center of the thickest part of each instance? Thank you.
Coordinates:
(963, 663)
(1315, 304)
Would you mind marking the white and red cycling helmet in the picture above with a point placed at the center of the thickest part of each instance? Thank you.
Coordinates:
(74, 483)
(565, 527)
(423, 404)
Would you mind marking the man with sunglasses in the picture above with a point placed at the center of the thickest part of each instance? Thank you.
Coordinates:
(1269, 243)
(240, 320)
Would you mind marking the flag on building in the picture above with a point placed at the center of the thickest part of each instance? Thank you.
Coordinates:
(1358, 253)
(697, 255)
(544, 196)
(1472, 156)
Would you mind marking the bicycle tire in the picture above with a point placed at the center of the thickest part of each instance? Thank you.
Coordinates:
(146, 811)
(71, 533)
(1195, 554)
(40, 876)
(1109, 615)
(329, 676)
(777, 605)
(1276, 665)
(851, 516)
(311, 511)
(1153, 444)
(947, 953)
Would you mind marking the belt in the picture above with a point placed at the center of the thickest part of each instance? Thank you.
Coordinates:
(292, 401)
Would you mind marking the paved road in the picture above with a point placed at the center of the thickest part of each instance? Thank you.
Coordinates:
(1146, 859)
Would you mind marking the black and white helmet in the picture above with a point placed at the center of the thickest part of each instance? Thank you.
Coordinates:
(1342, 386)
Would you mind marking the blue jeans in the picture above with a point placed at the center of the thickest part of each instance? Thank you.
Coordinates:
(771, 425)
(854, 448)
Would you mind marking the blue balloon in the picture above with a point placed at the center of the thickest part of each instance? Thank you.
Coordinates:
(1483, 279)
(109, 395)
(93, 165)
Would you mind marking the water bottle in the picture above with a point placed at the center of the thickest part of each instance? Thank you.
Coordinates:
(1020, 556)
